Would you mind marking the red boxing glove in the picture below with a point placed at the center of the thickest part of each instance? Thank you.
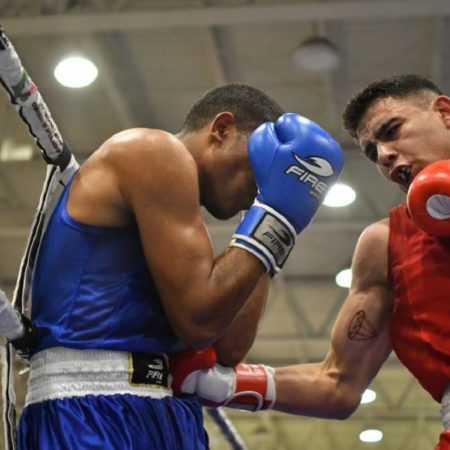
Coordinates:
(247, 386)
(184, 366)
(428, 199)
(250, 387)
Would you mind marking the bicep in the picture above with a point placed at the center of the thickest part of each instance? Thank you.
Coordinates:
(172, 229)
(174, 237)
(333, 387)
(360, 340)
(159, 183)
(360, 337)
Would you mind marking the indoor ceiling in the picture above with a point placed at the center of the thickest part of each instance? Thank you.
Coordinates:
(155, 57)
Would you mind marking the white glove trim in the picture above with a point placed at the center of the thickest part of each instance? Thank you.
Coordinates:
(279, 216)
(233, 402)
(270, 235)
(266, 258)
(438, 206)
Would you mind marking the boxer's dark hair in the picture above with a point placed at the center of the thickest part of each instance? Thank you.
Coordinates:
(397, 86)
(250, 106)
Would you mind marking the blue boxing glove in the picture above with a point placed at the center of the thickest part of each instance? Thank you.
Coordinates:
(295, 162)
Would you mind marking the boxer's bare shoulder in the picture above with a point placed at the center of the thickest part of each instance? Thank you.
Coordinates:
(132, 164)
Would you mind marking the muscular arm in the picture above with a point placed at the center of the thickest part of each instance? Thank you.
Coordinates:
(360, 341)
(234, 345)
(152, 179)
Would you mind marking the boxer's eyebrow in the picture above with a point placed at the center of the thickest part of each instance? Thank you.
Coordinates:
(383, 128)
(368, 147)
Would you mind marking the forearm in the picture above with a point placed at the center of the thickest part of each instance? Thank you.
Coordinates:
(329, 389)
(213, 296)
(235, 343)
(308, 390)
(304, 389)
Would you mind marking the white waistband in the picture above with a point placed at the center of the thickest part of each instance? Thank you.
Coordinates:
(445, 408)
(63, 372)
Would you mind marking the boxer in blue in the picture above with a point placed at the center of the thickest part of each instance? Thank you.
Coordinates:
(126, 273)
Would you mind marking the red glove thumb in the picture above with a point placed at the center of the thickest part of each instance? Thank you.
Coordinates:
(184, 363)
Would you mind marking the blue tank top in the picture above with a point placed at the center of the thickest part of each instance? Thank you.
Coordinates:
(92, 289)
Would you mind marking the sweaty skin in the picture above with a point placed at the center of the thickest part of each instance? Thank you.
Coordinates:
(360, 338)
(160, 181)
(395, 134)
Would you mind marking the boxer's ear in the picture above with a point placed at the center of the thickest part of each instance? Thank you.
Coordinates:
(222, 124)
(441, 105)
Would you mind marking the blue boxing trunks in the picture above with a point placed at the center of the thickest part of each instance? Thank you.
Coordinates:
(106, 400)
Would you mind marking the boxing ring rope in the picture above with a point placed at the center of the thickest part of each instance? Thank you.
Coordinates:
(227, 428)
(61, 165)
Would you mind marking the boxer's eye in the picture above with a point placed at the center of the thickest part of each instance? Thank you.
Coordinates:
(370, 151)
(391, 132)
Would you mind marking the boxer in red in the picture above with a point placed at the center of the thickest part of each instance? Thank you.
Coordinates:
(398, 299)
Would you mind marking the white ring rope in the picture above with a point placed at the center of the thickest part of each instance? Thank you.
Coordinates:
(61, 164)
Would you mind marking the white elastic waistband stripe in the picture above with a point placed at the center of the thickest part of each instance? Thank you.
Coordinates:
(67, 360)
(61, 372)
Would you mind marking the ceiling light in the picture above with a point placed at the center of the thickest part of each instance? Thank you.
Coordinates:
(76, 72)
(344, 278)
(371, 435)
(368, 396)
(316, 55)
(11, 151)
(340, 195)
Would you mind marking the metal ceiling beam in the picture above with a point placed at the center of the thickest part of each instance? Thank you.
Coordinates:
(215, 57)
(114, 90)
(217, 16)
(218, 56)
(126, 89)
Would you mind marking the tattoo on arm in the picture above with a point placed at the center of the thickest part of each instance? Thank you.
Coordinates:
(360, 328)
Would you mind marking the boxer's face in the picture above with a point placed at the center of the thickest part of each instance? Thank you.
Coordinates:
(228, 185)
(402, 136)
